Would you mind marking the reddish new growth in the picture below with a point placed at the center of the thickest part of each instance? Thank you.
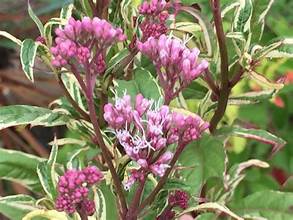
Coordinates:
(73, 190)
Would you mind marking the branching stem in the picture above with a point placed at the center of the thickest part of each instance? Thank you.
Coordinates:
(225, 89)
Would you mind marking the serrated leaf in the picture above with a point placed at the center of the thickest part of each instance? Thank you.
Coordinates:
(202, 160)
(255, 134)
(10, 37)
(20, 167)
(28, 53)
(17, 206)
(267, 204)
(47, 174)
(14, 115)
(243, 16)
(143, 83)
(214, 207)
(35, 19)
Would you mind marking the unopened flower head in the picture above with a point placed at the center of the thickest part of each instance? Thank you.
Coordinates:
(73, 190)
(156, 15)
(84, 43)
(179, 198)
(145, 132)
(176, 65)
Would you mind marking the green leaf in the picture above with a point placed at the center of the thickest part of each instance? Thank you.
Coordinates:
(35, 19)
(100, 202)
(202, 160)
(260, 10)
(66, 11)
(73, 89)
(28, 53)
(19, 167)
(10, 37)
(214, 207)
(17, 206)
(14, 115)
(273, 205)
(115, 60)
(254, 97)
(47, 174)
(255, 134)
(243, 16)
(105, 202)
(143, 83)
(45, 214)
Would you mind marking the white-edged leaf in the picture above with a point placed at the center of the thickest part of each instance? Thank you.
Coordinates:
(16, 206)
(10, 37)
(20, 167)
(64, 141)
(74, 156)
(47, 174)
(66, 11)
(35, 19)
(100, 202)
(45, 214)
(243, 16)
(212, 207)
(230, 6)
(14, 115)
(255, 134)
(271, 205)
(263, 81)
(73, 88)
(28, 53)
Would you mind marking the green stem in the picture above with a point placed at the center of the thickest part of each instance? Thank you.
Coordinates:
(224, 90)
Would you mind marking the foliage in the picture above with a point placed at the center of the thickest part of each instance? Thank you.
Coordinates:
(233, 96)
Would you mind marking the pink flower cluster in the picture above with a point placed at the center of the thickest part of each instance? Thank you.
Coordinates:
(177, 66)
(73, 190)
(145, 133)
(83, 44)
(156, 16)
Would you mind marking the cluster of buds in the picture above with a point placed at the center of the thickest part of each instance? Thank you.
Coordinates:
(177, 66)
(145, 133)
(81, 45)
(73, 190)
(156, 15)
(179, 199)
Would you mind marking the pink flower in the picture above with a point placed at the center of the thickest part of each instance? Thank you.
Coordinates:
(179, 198)
(175, 63)
(145, 132)
(84, 43)
(161, 165)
